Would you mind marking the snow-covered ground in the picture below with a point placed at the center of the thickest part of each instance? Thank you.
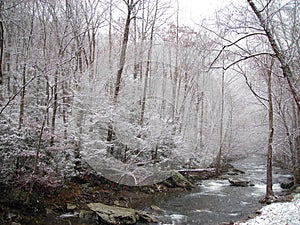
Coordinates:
(287, 213)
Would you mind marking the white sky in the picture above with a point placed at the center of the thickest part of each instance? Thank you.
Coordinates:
(194, 10)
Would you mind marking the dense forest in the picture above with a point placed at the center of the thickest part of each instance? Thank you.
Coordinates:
(128, 89)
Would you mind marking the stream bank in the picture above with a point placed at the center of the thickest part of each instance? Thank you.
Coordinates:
(68, 203)
(207, 200)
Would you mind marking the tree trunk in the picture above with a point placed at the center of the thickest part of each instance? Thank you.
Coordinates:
(7, 60)
(141, 47)
(135, 63)
(143, 105)
(1, 45)
(201, 120)
(26, 53)
(55, 105)
(219, 155)
(47, 100)
(22, 99)
(65, 109)
(163, 88)
(130, 7)
(175, 77)
(123, 55)
(297, 145)
(269, 186)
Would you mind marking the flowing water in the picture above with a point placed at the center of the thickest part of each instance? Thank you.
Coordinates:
(215, 201)
(212, 201)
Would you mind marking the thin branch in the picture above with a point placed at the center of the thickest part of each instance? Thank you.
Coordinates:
(233, 43)
(18, 92)
(28, 82)
(263, 9)
(218, 35)
(248, 57)
(258, 97)
(15, 5)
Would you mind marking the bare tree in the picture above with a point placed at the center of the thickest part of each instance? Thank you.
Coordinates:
(143, 105)
(27, 45)
(273, 32)
(269, 190)
(220, 152)
(131, 4)
(287, 71)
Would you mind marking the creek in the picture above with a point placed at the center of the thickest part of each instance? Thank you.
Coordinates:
(215, 201)
(212, 201)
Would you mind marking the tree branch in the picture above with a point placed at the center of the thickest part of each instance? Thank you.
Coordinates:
(247, 57)
(240, 60)
(15, 95)
(268, 3)
(286, 69)
(233, 43)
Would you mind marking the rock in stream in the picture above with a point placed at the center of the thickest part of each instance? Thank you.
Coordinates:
(119, 215)
(240, 182)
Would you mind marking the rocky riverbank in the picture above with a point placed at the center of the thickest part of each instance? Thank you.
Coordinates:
(19, 205)
(87, 198)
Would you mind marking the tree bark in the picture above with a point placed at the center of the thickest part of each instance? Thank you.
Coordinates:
(269, 186)
(22, 99)
(219, 155)
(1, 45)
(55, 106)
(123, 53)
(297, 154)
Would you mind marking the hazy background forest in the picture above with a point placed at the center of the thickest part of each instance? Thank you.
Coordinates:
(125, 84)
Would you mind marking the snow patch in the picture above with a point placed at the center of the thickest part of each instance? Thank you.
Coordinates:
(278, 213)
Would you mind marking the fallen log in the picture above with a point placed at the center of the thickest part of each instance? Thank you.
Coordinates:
(210, 170)
(200, 173)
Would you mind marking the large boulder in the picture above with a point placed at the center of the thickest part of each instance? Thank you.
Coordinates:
(178, 180)
(240, 182)
(119, 215)
(287, 183)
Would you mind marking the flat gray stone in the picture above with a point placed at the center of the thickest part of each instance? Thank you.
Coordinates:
(240, 182)
(119, 215)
